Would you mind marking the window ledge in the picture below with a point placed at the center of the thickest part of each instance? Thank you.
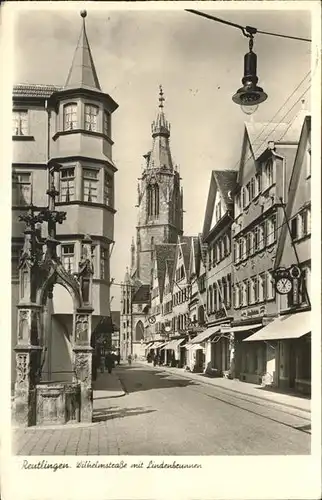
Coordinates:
(23, 138)
(82, 131)
(302, 238)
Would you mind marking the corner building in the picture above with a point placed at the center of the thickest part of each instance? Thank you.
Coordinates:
(67, 127)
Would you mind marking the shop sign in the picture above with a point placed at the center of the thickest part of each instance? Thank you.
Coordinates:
(253, 312)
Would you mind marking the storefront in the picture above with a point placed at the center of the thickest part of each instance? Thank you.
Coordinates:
(174, 353)
(289, 339)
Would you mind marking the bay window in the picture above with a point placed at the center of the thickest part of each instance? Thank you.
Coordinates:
(91, 114)
(67, 184)
(90, 185)
(70, 116)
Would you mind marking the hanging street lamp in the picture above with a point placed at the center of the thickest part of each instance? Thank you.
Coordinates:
(249, 96)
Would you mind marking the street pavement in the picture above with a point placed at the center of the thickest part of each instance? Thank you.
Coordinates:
(142, 410)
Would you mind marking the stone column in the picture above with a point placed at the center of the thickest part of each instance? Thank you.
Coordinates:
(28, 364)
(82, 360)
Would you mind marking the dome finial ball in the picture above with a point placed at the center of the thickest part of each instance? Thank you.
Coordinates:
(83, 13)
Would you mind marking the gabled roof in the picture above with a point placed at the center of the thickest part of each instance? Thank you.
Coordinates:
(82, 73)
(194, 254)
(293, 187)
(225, 182)
(34, 90)
(163, 253)
(260, 134)
(186, 249)
(142, 295)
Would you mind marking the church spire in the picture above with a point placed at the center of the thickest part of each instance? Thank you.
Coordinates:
(82, 73)
(160, 155)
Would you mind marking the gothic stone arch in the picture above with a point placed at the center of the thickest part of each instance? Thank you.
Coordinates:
(35, 402)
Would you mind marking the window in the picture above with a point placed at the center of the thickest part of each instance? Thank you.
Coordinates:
(70, 116)
(68, 257)
(153, 200)
(215, 298)
(236, 251)
(251, 243)
(271, 230)
(238, 204)
(20, 123)
(305, 222)
(90, 184)
(236, 296)
(248, 193)
(106, 124)
(252, 192)
(258, 184)
(91, 113)
(245, 197)
(256, 239)
(269, 171)
(261, 236)
(228, 291)
(270, 286)
(21, 188)
(244, 294)
(242, 248)
(261, 287)
(67, 184)
(248, 292)
(294, 228)
(253, 291)
(108, 189)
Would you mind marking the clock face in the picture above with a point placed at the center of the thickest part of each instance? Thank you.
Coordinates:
(283, 286)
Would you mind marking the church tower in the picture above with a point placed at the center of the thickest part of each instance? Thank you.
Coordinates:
(160, 198)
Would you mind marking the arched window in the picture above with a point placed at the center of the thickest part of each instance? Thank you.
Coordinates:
(139, 331)
(153, 200)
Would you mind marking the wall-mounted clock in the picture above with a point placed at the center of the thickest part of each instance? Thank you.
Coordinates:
(283, 285)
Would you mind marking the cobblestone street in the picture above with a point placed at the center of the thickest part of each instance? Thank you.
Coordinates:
(149, 417)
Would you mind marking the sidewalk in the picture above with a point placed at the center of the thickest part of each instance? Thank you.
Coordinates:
(246, 388)
(106, 386)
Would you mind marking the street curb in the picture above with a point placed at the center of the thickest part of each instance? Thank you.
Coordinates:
(183, 375)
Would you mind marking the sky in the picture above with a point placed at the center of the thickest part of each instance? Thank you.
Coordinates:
(199, 64)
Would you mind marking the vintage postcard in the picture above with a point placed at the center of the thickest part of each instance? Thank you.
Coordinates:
(161, 250)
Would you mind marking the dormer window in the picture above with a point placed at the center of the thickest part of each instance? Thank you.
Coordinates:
(20, 123)
(70, 116)
(91, 113)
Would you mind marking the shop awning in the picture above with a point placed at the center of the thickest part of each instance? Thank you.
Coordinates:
(193, 347)
(203, 336)
(242, 328)
(156, 345)
(290, 326)
(173, 344)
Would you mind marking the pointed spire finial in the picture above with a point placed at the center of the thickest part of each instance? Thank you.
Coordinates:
(161, 98)
(83, 13)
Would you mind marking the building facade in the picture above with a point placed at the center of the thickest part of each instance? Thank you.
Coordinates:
(68, 127)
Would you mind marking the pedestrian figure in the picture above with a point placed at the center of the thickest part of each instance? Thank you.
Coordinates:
(129, 359)
(118, 358)
(109, 362)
